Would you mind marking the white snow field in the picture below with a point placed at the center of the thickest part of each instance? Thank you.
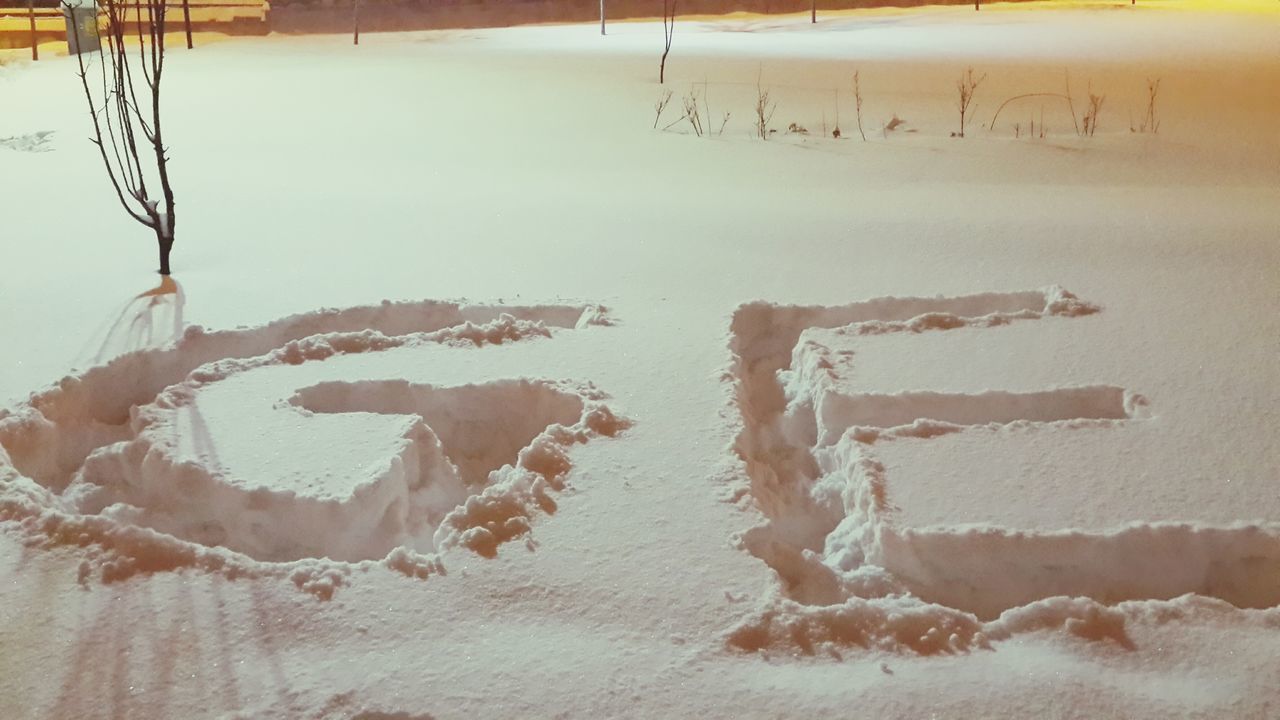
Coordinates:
(474, 394)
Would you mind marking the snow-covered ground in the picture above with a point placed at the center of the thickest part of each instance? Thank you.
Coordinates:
(619, 422)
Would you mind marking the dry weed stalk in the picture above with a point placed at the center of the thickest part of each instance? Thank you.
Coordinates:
(724, 121)
(996, 116)
(659, 106)
(764, 110)
(857, 102)
(691, 111)
(967, 85)
(1090, 119)
(1151, 123)
(1071, 105)
(706, 101)
(835, 132)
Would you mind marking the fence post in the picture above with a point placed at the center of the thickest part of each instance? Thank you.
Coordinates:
(186, 20)
(31, 14)
(355, 22)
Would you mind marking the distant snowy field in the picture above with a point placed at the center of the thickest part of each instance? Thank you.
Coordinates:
(610, 421)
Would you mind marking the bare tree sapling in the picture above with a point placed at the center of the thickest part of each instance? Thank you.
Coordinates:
(126, 130)
(668, 30)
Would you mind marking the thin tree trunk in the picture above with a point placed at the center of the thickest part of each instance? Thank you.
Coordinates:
(166, 244)
(31, 13)
(602, 17)
(668, 31)
(975, 4)
(186, 20)
(355, 21)
(166, 222)
(813, 11)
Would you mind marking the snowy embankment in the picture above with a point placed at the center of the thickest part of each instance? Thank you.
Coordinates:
(745, 489)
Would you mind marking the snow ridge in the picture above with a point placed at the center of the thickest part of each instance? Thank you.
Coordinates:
(849, 574)
(95, 463)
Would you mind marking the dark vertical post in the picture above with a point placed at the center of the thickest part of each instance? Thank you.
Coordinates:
(355, 21)
(186, 20)
(813, 11)
(31, 14)
(602, 17)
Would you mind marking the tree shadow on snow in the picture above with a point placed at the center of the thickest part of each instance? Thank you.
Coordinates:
(149, 319)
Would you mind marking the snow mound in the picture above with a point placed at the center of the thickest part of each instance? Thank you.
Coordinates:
(851, 572)
(119, 461)
(34, 142)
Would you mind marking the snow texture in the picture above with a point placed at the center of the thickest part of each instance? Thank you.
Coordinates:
(745, 490)
(852, 571)
(463, 465)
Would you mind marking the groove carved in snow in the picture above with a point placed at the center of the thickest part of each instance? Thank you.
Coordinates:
(855, 568)
(122, 460)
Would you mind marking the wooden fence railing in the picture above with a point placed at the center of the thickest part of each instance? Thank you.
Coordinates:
(27, 24)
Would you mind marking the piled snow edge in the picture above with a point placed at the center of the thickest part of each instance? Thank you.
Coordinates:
(904, 624)
(46, 442)
(515, 492)
(847, 574)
